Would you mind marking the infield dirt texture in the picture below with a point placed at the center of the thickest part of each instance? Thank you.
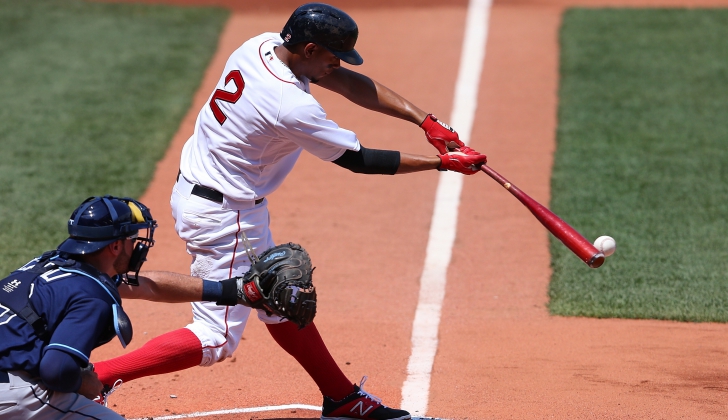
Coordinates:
(500, 355)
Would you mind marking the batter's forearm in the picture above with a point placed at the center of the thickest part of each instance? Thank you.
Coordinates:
(391, 103)
(370, 94)
(417, 163)
(386, 162)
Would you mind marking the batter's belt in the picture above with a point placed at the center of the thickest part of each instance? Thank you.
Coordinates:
(210, 193)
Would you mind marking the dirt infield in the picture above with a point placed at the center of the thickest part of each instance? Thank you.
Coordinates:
(501, 355)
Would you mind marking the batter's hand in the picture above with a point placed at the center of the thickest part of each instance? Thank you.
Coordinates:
(467, 164)
(441, 135)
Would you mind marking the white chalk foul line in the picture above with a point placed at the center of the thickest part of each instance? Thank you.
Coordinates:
(416, 387)
(236, 411)
(249, 410)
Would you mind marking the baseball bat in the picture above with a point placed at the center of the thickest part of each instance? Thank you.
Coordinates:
(560, 229)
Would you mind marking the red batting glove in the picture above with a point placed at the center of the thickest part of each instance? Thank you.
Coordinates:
(467, 164)
(440, 135)
(468, 151)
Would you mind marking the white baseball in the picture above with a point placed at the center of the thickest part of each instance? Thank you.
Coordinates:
(606, 244)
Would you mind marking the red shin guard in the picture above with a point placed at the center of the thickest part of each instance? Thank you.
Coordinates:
(307, 347)
(170, 352)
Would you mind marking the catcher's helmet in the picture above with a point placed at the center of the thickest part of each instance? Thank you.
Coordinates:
(99, 221)
(326, 26)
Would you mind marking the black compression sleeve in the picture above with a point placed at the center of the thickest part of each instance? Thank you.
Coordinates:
(370, 161)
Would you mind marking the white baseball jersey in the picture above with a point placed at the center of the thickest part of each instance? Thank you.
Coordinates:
(252, 130)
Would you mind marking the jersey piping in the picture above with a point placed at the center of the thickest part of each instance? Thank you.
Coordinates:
(93, 278)
(63, 346)
(260, 54)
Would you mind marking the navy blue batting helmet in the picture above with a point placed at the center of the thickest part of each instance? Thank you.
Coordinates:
(99, 221)
(324, 25)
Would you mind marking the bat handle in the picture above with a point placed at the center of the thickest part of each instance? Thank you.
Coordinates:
(495, 175)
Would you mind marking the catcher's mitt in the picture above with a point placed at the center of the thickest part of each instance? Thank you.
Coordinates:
(280, 283)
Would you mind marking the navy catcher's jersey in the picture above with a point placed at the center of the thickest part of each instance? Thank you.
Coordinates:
(77, 307)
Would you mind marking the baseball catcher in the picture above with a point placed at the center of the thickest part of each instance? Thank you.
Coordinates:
(279, 282)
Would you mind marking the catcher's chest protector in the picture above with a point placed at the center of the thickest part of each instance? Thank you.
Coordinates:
(15, 296)
(17, 288)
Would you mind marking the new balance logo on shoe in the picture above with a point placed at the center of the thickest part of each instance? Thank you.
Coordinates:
(360, 406)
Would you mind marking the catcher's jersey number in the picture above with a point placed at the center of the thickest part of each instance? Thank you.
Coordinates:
(226, 96)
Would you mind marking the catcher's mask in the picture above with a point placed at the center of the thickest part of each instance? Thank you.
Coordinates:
(324, 25)
(99, 221)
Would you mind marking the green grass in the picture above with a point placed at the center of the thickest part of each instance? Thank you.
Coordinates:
(642, 156)
(90, 96)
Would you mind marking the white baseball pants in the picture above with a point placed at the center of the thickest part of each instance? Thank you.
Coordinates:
(213, 233)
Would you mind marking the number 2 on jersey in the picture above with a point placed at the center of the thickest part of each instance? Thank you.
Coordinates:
(226, 96)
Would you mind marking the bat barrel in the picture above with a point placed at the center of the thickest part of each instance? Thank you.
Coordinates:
(596, 261)
(573, 240)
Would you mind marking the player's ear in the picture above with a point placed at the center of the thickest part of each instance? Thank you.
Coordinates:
(116, 247)
(309, 49)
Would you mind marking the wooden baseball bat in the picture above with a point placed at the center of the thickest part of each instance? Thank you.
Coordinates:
(560, 229)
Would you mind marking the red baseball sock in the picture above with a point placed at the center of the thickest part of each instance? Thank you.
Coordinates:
(307, 347)
(170, 352)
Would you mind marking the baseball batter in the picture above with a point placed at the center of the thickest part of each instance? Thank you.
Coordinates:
(247, 138)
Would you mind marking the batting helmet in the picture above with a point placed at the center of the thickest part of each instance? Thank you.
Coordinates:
(326, 26)
(99, 221)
